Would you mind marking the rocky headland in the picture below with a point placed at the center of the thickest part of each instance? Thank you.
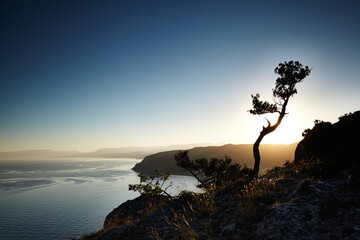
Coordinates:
(294, 208)
(317, 196)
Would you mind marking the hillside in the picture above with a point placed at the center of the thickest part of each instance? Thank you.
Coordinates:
(272, 155)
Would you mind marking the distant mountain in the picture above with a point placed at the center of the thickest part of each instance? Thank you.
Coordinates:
(122, 152)
(134, 152)
(35, 154)
(271, 155)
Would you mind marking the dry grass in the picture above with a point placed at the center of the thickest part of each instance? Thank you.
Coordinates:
(183, 223)
(204, 204)
(155, 234)
(253, 198)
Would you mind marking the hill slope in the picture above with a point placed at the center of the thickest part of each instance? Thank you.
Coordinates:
(271, 155)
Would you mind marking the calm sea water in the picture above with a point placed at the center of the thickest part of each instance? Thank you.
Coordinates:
(60, 198)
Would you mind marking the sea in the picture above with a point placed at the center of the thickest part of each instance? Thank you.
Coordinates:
(65, 198)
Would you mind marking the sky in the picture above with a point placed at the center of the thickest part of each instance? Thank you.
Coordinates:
(83, 75)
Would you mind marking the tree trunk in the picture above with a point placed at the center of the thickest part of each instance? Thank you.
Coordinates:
(256, 154)
(263, 133)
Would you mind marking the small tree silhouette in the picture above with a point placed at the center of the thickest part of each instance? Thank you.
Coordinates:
(291, 73)
(212, 172)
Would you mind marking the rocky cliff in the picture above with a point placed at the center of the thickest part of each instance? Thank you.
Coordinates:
(334, 146)
(287, 208)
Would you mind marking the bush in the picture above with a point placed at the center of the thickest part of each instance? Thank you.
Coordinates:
(152, 185)
(212, 172)
(319, 168)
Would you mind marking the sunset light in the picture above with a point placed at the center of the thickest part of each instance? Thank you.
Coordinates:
(287, 132)
(116, 83)
(179, 119)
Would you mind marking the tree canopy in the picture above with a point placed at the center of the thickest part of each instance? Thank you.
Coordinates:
(291, 73)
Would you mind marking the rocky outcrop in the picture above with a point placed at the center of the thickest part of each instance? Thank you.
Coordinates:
(313, 210)
(300, 209)
(339, 141)
(132, 210)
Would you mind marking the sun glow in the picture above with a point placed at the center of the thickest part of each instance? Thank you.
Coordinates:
(289, 131)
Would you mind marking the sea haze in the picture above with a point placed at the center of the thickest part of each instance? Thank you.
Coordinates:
(58, 198)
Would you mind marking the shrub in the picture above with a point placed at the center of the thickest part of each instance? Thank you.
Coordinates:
(319, 168)
(152, 185)
(212, 172)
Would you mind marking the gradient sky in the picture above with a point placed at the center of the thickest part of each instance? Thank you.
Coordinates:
(82, 75)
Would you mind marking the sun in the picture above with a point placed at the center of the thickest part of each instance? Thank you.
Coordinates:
(289, 131)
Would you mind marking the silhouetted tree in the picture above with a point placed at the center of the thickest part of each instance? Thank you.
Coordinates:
(152, 185)
(291, 73)
(212, 172)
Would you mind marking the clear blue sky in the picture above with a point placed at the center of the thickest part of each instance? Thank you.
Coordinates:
(81, 75)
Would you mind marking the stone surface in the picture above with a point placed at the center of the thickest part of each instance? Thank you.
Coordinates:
(302, 209)
(314, 210)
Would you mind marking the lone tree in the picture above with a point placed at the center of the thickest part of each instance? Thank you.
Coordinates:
(291, 73)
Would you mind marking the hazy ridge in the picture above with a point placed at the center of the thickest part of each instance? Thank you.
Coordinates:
(122, 152)
(162, 158)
